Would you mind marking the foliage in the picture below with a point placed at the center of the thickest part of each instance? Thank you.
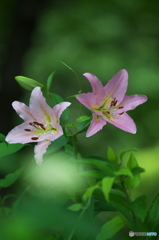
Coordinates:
(64, 198)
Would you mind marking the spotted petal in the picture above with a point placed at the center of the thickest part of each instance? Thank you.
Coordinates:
(131, 102)
(117, 86)
(96, 125)
(19, 135)
(40, 149)
(124, 122)
(23, 111)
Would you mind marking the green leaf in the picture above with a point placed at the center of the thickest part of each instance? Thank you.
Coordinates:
(73, 96)
(91, 173)
(125, 172)
(10, 178)
(2, 137)
(133, 165)
(102, 164)
(124, 152)
(152, 218)
(110, 228)
(137, 170)
(83, 118)
(139, 207)
(57, 144)
(120, 203)
(49, 81)
(75, 207)
(69, 149)
(28, 83)
(82, 126)
(132, 162)
(7, 149)
(107, 184)
(89, 192)
(58, 99)
(111, 155)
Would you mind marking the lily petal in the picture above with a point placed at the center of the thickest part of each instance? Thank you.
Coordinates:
(131, 102)
(95, 83)
(96, 125)
(22, 110)
(19, 135)
(38, 106)
(87, 99)
(58, 109)
(40, 149)
(117, 86)
(124, 122)
(53, 135)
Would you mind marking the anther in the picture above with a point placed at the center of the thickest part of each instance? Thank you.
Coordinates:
(108, 112)
(113, 102)
(34, 138)
(40, 124)
(36, 123)
(121, 113)
(27, 130)
(120, 107)
(31, 123)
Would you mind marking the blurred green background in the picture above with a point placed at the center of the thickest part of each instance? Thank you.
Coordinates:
(100, 37)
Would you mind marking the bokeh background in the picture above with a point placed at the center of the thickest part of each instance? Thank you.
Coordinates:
(100, 37)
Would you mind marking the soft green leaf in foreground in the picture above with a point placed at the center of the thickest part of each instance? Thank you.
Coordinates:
(110, 228)
(57, 144)
(89, 192)
(111, 155)
(139, 207)
(10, 178)
(75, 207)
(7, 149)
(152, 218)
(107, 184)
(133, 164)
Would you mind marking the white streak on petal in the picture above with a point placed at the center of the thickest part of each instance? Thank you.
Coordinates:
(58, 109)
(38, 106)
(40, 149)
(22, 110)
(19, 135)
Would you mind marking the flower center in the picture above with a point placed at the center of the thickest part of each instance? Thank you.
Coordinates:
(39, 129)
(109, 108)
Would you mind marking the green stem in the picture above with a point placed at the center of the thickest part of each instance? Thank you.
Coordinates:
(78, 219)
(74, 141)
(128, 199)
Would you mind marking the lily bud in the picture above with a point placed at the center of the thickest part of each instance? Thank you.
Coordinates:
(28, 83)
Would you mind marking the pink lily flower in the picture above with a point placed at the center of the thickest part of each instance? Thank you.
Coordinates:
(109, 103)
(41, 123)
